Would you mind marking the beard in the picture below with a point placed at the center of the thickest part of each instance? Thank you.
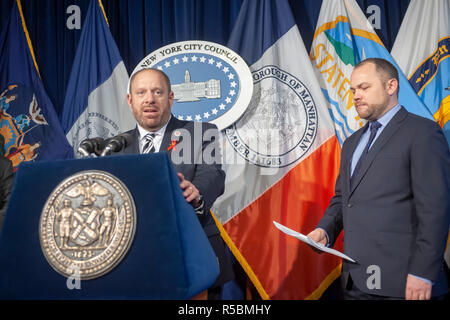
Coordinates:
(372, 111)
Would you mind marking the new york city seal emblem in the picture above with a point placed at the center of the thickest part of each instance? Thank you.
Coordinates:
(87, 224)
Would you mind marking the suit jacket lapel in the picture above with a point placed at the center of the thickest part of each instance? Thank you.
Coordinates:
(377, 146)
(133, 148)
(173, 124)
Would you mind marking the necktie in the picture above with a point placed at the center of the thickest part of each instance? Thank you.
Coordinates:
(149, 146)
(374, 126)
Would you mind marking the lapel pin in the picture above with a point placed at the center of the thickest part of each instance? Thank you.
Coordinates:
(172, 145)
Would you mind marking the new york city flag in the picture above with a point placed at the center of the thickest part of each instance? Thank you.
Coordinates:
(95, 104)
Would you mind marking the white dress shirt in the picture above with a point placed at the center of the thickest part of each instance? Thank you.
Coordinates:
(157, 140)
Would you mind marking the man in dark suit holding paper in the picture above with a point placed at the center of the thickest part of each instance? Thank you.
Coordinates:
(192, 147)
(391, 196)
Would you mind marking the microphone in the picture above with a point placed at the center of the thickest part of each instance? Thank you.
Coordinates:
(117, 143)
(89, 146)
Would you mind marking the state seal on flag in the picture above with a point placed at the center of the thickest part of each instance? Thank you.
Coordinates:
(280, 124)
(87, 224)
(211, 83)
(20, 115)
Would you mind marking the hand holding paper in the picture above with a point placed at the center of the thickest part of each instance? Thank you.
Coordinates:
(312, 243)
(318, 235)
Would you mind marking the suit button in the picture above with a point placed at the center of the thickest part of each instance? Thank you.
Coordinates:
(349, 205)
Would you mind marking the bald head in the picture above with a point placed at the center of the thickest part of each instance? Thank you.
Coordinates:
(165, 77)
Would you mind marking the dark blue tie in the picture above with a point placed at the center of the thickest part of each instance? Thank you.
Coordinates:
(374, 126)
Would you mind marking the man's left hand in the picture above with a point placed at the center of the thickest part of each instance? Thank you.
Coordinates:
(417, 289)
(190, 192)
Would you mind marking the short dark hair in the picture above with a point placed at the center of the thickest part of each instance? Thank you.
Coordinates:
(166, 78)
(383, 67)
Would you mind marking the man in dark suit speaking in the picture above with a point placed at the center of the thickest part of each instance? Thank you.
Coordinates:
(198, 167)
(392, 195)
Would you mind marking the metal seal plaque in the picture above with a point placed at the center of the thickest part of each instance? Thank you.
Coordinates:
(87, 224)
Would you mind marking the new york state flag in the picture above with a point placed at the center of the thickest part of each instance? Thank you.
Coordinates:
(29, 127)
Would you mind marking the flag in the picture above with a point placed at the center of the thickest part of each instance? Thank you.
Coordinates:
(95, 102)
(281, 159)
(422, 50)
(343, 38)
(29, 125)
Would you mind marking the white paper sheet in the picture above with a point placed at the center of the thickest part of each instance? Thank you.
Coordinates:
(311, 242)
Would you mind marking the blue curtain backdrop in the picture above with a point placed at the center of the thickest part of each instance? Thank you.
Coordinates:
(141, 26)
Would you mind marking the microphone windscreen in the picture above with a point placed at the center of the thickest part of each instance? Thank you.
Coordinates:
(87, 145)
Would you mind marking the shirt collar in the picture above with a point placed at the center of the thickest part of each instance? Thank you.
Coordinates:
(160, 132)
(385, 118)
